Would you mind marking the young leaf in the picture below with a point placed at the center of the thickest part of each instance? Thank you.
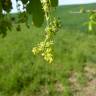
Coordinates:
(90, 27)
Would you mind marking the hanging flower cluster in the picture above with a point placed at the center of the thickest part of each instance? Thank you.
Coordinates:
(44, 48)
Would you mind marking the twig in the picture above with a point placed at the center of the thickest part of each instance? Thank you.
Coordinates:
(83, 11)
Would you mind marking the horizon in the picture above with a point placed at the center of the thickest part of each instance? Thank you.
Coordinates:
(72, 2)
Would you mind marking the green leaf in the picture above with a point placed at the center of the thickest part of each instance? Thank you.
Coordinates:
(54, 3)
(7, 5)
(5, 25)
(0, 9)
(35, 9)
(24, 1)
(90, 27)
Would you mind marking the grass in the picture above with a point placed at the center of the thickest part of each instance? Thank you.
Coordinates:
(23, 74)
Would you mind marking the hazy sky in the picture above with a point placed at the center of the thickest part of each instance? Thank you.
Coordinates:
(62, 2)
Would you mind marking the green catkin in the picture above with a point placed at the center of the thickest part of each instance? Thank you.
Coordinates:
(44, 48)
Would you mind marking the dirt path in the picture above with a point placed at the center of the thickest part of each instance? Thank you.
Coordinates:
(89, 89)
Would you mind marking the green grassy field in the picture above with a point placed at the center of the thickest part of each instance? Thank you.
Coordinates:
(23, 74)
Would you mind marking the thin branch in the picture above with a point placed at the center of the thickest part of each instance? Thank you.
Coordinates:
(83, 11)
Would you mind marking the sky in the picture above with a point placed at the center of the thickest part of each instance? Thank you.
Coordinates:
(65, 2)
(61, 2)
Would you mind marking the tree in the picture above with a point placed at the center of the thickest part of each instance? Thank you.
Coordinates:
(32, 7)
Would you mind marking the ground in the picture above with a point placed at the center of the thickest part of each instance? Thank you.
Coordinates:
(89, 88)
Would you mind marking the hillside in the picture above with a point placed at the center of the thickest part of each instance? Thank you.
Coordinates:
(74, 70)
